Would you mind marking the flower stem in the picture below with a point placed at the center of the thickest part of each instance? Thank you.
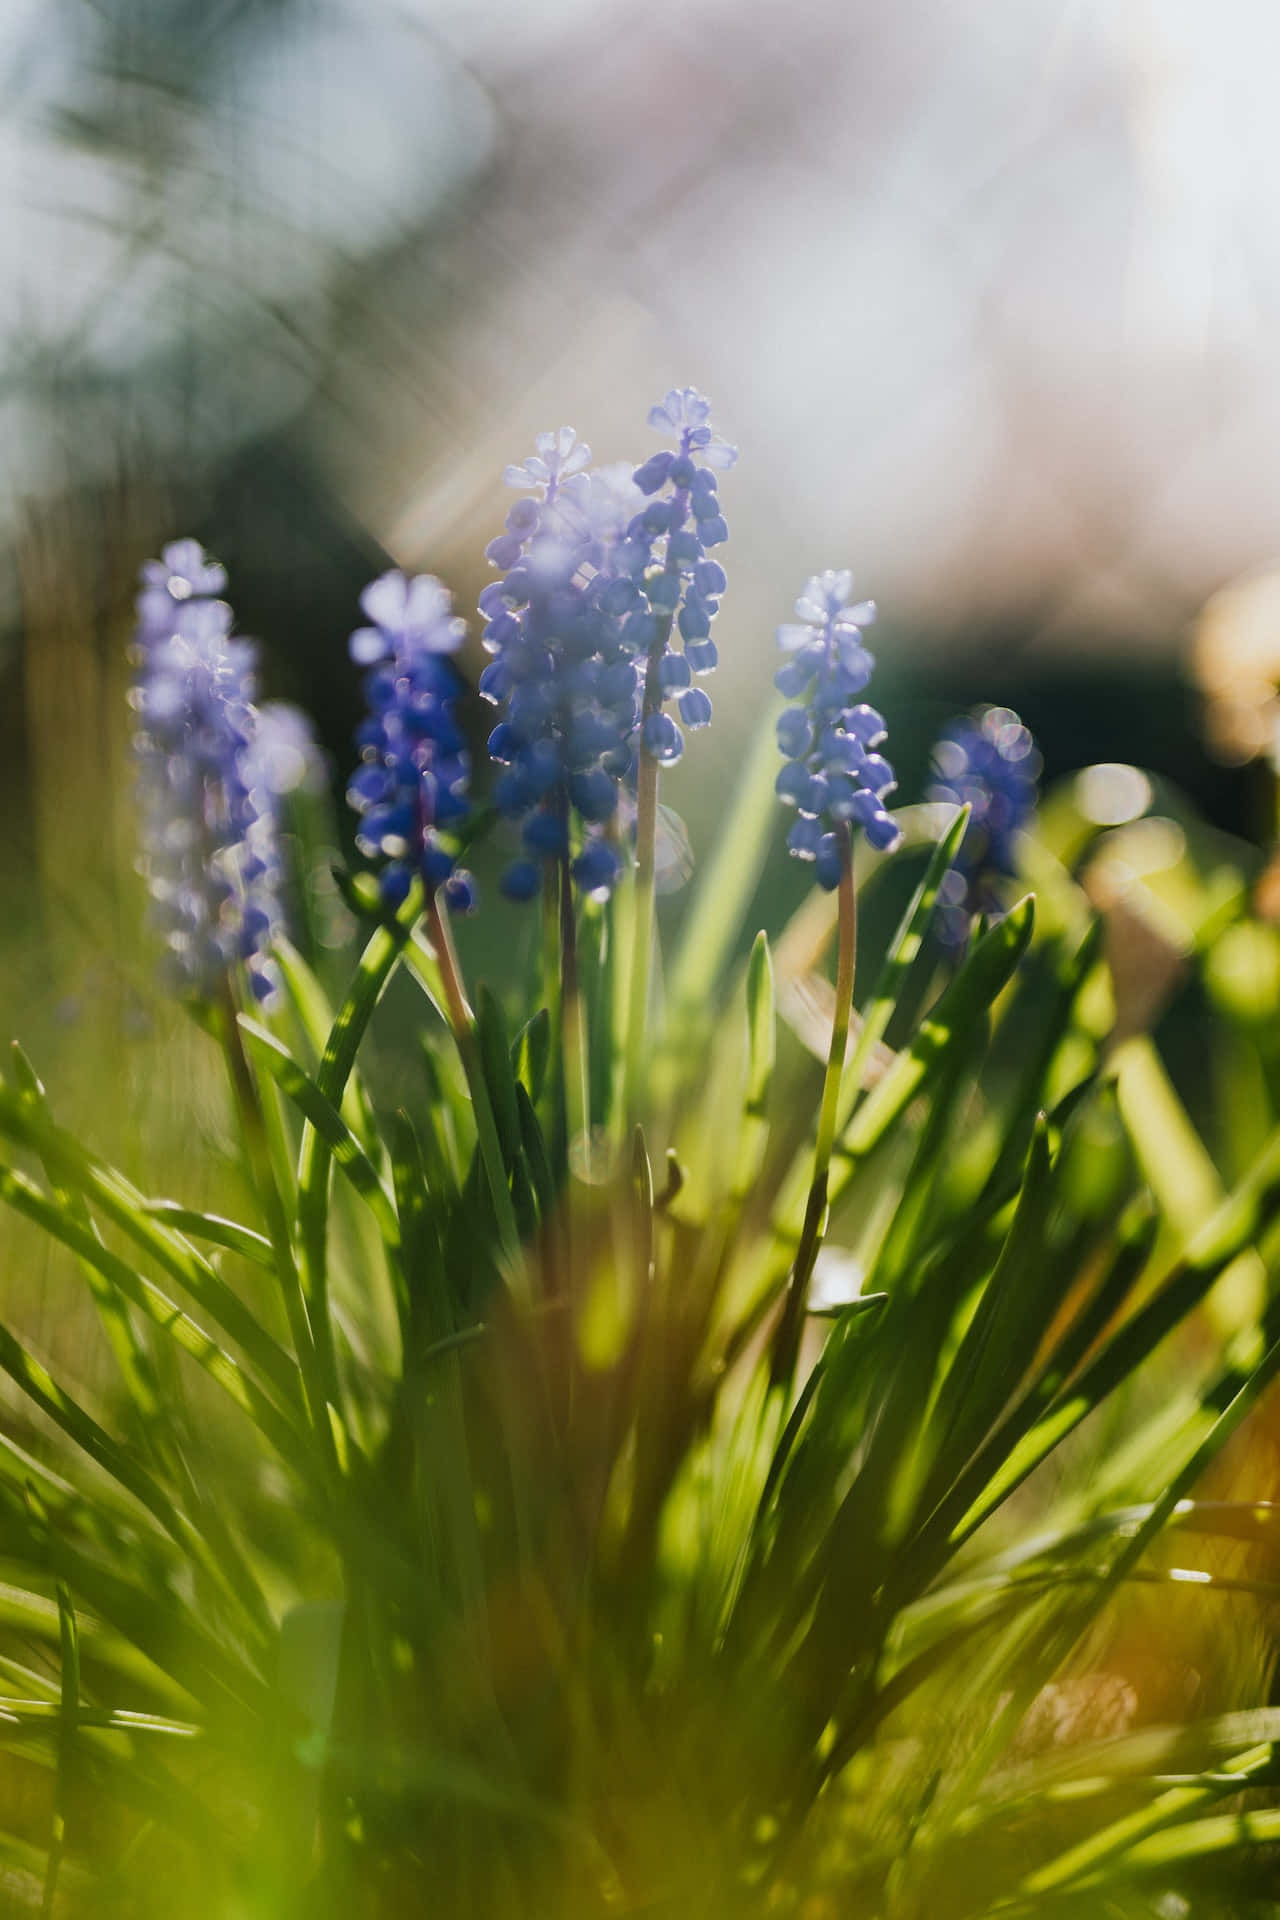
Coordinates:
(572, 1035)
(462, 1026)
(321, 1393)
(786, 1343)
(646, 849)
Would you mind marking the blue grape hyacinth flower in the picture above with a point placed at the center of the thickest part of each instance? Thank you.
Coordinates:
(564, 671)
(174, 587)
(986, 760)
(410, 787)
(834, 776)
(677, 588)
(206, 807)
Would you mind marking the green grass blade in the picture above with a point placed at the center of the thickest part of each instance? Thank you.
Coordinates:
(68, 1721)
(94, 1441)
(946, 1028)
(723, 892)
(61, 1224)
(135, 1361)
(218, 1231)
(328, 1123)
(761, 1053)
(118, 1201)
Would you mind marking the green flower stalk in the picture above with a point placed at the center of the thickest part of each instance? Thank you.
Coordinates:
(837, 782)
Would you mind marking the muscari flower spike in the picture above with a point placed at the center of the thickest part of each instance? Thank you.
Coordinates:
(414, 767)
(678, 588)
(986, 760)
(563, 666)
(207, 810)
(833, 774)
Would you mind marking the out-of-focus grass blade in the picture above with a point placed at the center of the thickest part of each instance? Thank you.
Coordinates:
(122, 1204)
(761, 1045)
(1157, 1834)
(1179, 1170)
(1235, 1228)
(136, 1363)
(306, 1095)
(35, 1616)
(424, 1308)
(425, 970)
(723, 893)
(495, 1055)
(1173, 1158)
(1135, 1239)
(219, 1232)
(68, 1719)
(530, 1053)
(57, 1221)
(97, 1443)
(536, 1153)
(317, 1019)
(374, 969)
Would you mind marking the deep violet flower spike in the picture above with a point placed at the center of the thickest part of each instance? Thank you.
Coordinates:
(986, 760)
(206, 788)
(561, 625)
(681, 584)
(834, 776)
(410, 787)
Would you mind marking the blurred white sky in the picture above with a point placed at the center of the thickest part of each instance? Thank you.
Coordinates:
(987, 290)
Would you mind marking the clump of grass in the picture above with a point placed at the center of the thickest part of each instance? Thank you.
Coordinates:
(647, 1471)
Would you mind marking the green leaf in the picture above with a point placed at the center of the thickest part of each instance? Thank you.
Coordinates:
(318, 1021)
(328, 1123)
(723, 892)
(947, 1028)
(93, 1440)
(68, 1721)
(985, 1473)
(61, 1224)
(985, 974)
(495, 1056)
(536, 1155)
(1234, 1229)
(133, 1357)
(113, 1196)
(531, 1053)
(219, 1232)
(1005, 1330)
(761, 1045)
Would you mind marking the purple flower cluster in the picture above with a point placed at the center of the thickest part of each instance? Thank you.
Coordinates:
(988, 761)
(599, 566)
(208, 829)
(833, 774)
(564, 662)
(680, 586)
(411, 782)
